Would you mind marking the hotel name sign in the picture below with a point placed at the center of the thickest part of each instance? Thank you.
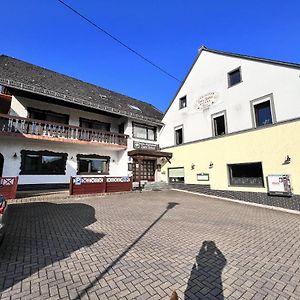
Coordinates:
(146, 146)
(206, 101)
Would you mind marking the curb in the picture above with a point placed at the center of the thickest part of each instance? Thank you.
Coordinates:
(286, 210)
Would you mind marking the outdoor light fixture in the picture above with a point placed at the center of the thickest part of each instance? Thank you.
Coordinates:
(192, 166)
(287, 160)
(211, 164)
(15, 155)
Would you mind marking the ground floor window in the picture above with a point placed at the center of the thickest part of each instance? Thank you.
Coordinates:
(43, 163)
(247, 174)
(176, 175)
(92, 164)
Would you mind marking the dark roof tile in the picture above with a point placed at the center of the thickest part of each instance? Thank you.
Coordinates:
(25, 76)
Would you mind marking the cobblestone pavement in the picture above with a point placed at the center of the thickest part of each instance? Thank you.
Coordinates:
(140, 246)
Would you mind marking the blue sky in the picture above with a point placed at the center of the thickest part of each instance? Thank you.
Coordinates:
(168, 32)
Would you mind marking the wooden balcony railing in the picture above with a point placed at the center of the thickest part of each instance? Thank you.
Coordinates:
(13, 125)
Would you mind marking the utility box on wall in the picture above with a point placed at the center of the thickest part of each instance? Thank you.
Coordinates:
(279, 185)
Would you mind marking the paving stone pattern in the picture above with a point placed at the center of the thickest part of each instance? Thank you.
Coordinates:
(137, 246)
(292, 202)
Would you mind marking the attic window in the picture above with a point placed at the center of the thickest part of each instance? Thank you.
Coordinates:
(133, 107)
(103, 96)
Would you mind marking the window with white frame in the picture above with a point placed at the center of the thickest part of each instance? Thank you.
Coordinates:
(219, 123)
(145, 132)
(263, 111)
(182, 102)
(234, 77)
(92, 164)
(178, 135)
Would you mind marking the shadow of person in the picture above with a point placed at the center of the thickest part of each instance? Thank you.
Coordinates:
(40, 234)
(206, 275)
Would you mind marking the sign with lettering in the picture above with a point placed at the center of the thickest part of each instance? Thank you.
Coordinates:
(147, 146)
(203, 177)
(206, 101)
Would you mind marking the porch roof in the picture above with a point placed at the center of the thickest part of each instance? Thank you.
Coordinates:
(150, 153)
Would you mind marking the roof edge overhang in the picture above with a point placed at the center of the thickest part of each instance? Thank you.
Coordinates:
(74, 100)
(242, 56)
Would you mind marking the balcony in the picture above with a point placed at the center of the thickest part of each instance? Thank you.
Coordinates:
(44, 130)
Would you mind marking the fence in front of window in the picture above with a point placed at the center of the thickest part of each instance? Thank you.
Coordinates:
(8, 187)
(80, 185)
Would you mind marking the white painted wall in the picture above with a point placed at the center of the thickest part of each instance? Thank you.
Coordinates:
(209, 74)
(9, 146)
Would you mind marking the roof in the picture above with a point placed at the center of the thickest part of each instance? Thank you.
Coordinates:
(153, 153)
(249, 57)
(243, 56)
(27, 77)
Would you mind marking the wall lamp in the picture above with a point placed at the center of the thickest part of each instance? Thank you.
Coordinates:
(15, 155)
(211, 164)
(192, 166)
(287, 160)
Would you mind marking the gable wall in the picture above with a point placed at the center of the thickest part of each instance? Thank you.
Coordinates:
(209, 74)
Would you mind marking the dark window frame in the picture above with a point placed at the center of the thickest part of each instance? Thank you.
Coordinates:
(181, 101)
(247, 184)
(147, 127)
(31, 110)
(40, 154)
(180, 127)
(94, 122)
(239, 69)
(93, 156)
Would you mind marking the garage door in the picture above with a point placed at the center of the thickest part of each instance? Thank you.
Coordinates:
(176, 175)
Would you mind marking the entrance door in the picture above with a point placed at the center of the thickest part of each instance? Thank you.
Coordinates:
(147, 170)
(1, 164)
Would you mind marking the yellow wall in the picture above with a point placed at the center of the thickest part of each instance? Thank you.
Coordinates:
(269, 145)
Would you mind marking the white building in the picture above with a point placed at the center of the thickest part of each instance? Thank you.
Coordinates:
(53, 126)
(233, 122)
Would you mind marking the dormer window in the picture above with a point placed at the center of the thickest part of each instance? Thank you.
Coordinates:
(182, 102)
(234, 77)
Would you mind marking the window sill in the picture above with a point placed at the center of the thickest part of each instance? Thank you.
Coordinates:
(246, 185)
(230, 86)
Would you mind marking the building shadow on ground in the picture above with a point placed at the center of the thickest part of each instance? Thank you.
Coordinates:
(205, 280)
(40, 234)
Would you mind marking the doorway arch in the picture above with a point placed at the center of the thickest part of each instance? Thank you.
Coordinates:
(1, 164)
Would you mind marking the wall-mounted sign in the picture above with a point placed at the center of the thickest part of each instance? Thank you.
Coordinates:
(279, 185)
(78, 181)
(147, 146)
(206, 101)
(203, 177)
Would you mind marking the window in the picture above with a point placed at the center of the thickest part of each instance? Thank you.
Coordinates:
(92, 164)
(48, 116)
(144, 132)
(179, 135)
(262, 110)
(176, 175)
(182, 102)
(43, 163)
(219, 124)
(93, 124)
(263, 114)
(248, 174)
(234, 77)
